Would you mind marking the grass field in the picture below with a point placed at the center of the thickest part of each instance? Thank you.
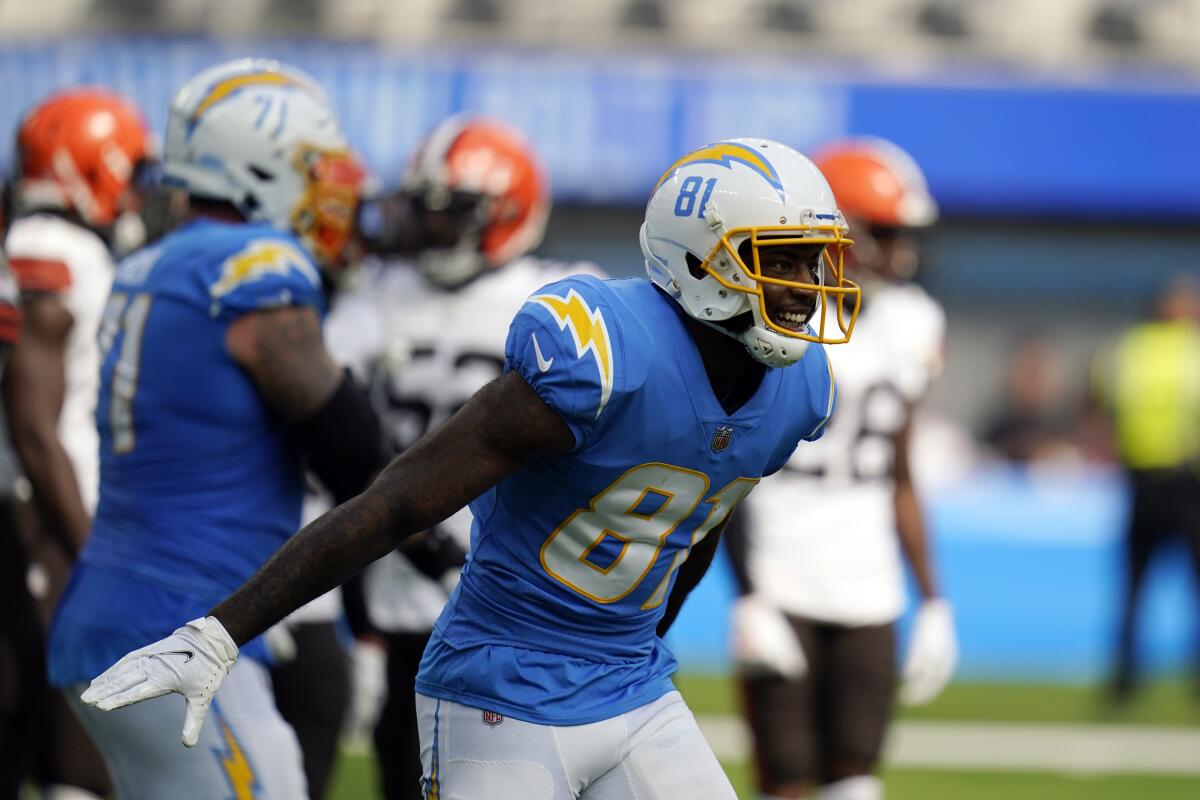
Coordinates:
(355, 781)
(1167, 703)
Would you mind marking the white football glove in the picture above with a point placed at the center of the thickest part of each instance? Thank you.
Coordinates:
(192, 661)
(281, 644)
(932, 653)
(368, 681)
(763, 641)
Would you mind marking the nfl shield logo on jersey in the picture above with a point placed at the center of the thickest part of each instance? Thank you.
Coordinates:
(492, 719)
(721, 438)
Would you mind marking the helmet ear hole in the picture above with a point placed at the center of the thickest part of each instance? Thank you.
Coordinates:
(695, 267)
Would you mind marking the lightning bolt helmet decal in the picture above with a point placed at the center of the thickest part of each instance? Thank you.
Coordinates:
(724, 154)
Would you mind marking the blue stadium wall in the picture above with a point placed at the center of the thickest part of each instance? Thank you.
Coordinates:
(992, 143)
(1032, 564)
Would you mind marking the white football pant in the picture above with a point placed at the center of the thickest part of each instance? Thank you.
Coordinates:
(246, 750)
(655, 752)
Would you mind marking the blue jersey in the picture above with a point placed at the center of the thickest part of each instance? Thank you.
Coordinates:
(572, 558)
(199, 482)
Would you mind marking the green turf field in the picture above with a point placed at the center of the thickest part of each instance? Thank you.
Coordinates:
(1165, 702)
(355, 781)
(1168, 703)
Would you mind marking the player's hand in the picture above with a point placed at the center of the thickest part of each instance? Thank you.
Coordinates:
(281, 644)
(192, 661)
(369, 688)
(763, 640)
(932, 654)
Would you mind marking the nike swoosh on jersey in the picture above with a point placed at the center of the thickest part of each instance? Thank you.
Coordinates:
(190, 655)
(544, 364)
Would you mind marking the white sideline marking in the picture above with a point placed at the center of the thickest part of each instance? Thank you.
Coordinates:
(1017, 747)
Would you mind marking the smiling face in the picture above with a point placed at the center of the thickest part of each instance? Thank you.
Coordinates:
(786, 306)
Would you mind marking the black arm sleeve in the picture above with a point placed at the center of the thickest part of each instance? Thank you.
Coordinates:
(354, 602)
(434, 553)
(690, 573)
(343, 441)
(737, 544)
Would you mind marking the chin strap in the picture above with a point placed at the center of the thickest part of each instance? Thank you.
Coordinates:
(771, 349)
(722, 327)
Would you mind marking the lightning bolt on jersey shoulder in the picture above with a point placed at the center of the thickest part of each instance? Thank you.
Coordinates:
(566, 341)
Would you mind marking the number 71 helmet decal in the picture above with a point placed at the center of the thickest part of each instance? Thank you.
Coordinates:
(263, 136)
(709, 218)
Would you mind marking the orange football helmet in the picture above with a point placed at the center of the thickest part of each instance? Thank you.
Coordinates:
(77, 151)
(884, 197)
(480, 196)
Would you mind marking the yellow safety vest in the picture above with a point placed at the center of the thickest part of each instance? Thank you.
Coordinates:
(1156, 395)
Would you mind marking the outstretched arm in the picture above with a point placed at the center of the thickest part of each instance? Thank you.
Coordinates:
(499, 429)
(504, 425)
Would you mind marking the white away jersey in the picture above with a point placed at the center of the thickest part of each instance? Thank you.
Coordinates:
(423, 352)
(50, 254)
(822, 541)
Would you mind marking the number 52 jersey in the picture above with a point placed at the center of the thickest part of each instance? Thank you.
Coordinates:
(572, 557)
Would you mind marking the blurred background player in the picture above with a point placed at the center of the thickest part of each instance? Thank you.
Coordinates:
(1033, 420)
(818, 553)
(1148, 383)
(76, 156)
(215, 391)
(426, 323)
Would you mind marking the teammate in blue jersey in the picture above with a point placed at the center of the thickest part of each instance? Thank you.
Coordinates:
(633, 417)
(215, 390)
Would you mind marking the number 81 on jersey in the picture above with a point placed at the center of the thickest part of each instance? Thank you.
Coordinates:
(636, 514)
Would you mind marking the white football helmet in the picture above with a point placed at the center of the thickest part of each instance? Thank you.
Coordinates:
(263, 136)
(715, 199)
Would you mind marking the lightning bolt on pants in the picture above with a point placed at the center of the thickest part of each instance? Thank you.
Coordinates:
(246, 750)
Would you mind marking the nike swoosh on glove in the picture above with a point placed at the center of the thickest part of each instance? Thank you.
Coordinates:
(932, 654)
(763, 640)
(191, 661)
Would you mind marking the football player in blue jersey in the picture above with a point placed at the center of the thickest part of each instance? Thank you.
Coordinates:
(632, 418)
(215, 392)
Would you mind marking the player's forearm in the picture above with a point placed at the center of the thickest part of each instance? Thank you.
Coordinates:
(418, 490)
(736, 534)
(324, 554)
(486, 441)
(910, 525)
(690, 573)
(910, 519)
(35, 388)
(55, 489)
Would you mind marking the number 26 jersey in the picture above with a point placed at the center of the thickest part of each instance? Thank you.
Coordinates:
(572, 557)
(856, 576)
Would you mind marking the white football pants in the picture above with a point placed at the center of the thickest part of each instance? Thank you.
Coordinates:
(655, 752)
(246, 750)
